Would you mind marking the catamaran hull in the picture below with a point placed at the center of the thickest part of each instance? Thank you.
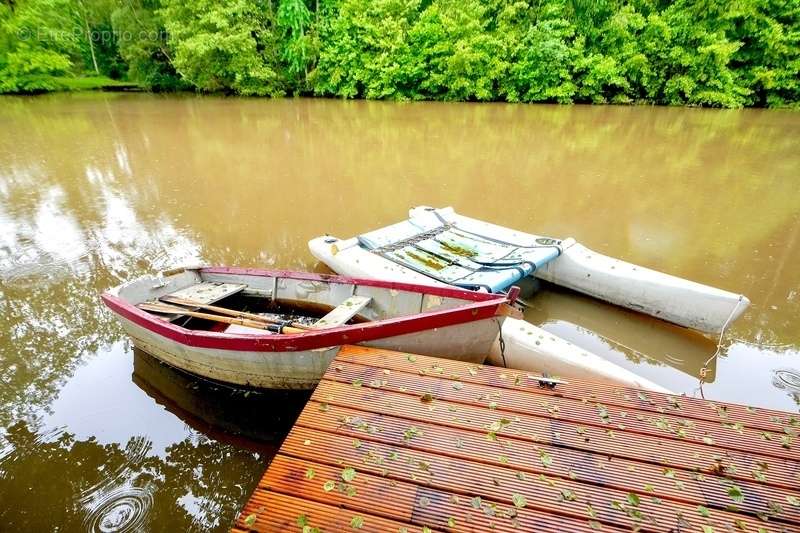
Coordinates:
(526, 347)
(680, 301)
(677, 300)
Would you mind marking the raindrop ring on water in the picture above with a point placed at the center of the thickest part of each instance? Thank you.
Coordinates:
(121, 510)
(787, 378)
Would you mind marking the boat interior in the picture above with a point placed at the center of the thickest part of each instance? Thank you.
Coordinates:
(453, 256)
(257, 303)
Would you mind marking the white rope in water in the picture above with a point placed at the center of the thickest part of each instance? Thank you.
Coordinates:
(704, 368)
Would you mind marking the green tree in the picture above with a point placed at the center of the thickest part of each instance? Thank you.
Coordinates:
(229, 46)
(293, 22)
(455, 55)
(684, 52)
(35, 44)
(99, 51)
(541, 54)
(364, 50)
(767, 61)
(142, 43)
(623, 72)
(697, 68)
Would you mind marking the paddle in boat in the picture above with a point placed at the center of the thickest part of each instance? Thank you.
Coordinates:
(280, 330)
(442, 248)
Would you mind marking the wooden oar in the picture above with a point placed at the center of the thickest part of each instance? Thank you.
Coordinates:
(229, 312)
(171, 309)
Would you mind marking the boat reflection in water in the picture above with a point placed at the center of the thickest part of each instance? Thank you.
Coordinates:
(254, 419)
(626, 337)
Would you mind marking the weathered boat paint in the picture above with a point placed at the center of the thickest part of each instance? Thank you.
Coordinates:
(434, 321)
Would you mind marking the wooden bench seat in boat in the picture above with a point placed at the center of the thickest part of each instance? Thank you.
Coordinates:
(204, 293)
(208, 292)
(338, 316)
(343, 312)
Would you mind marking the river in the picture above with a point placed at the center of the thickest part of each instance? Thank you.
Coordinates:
(100, 188)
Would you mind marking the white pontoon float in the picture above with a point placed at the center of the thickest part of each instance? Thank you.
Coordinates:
(441, 247)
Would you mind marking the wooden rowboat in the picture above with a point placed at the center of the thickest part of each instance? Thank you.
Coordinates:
(280, 330)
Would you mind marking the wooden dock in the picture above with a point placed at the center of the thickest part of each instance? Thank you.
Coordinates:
(396, 442)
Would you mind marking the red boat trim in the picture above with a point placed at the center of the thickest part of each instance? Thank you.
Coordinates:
(450, 292)
(483, 306)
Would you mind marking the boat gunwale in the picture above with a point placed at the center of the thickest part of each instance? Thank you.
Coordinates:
(478, 306)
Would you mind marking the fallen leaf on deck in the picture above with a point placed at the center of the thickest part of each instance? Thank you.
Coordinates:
(519, 501)
(348, 474)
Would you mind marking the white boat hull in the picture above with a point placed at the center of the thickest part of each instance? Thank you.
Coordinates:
(440, 322)
(303, 369)
(527, 347)
(530, 348)
(680, 301)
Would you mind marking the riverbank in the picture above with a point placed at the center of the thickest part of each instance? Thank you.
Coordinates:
(674, 53)
(55, 84)
(96, 83)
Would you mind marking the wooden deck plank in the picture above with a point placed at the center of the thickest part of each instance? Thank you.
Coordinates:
(433, 445)
(721, 435)
(497, 482)
(645, 448)
(606, 393)
(567, 468)
(425, 505)
(285, 512)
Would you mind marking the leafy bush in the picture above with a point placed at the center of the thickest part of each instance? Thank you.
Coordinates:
(298, 44)
(364, 50)
(142, 44)
(454, 55)
(224, 46)
(686, 52)
(32, 50)
(542, 67)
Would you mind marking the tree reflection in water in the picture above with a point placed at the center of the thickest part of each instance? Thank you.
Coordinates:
(49, 476)
(55, 479)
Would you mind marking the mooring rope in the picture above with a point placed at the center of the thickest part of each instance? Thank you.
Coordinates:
(704, 368)
(412, 240)
(501, 342)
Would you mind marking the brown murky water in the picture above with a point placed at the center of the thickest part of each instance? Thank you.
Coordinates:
(95, 189)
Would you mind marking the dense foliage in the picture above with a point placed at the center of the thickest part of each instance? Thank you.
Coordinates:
(684, 52)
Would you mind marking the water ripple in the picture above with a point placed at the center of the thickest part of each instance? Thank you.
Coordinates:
(113, 504)
(120, 510)
(787, 379)
(135, 452)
